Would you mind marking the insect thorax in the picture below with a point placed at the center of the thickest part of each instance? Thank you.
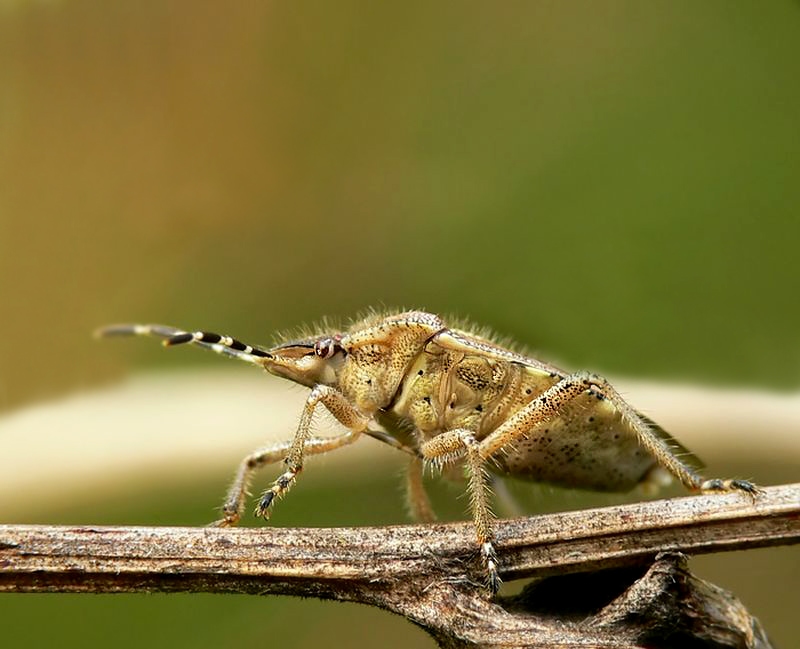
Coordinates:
(378, 360)
(448, 389)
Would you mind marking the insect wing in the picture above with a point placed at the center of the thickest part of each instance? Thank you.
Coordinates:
(468, 343)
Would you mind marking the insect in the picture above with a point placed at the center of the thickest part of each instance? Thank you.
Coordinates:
(453, 399)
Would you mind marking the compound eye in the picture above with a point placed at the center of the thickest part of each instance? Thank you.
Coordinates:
(325, 347)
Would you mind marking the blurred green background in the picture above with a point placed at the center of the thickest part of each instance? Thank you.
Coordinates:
(613, 183)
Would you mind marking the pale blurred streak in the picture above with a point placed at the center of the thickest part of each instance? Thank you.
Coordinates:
(153, 429)
(751, 425)
(162, 428)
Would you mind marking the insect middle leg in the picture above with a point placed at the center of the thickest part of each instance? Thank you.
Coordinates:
(462, 442)
(233, 507)
(338, 405)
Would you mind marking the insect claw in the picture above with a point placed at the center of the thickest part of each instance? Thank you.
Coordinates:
(493, 582)
(714, 484)
(717, 485)
(745, 485)
(489, 556)
(262, 509)
(748, 487)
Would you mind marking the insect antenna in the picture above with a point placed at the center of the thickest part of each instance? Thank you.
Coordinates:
(171, 336)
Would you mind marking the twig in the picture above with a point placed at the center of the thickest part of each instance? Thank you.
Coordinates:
(424, 572)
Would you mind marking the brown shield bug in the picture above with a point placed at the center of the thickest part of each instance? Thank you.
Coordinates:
(451, 398)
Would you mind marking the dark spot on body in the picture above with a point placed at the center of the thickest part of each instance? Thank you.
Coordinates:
(421, 372)
(479, 408)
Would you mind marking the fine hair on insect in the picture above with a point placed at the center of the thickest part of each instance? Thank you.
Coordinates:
(455, 399)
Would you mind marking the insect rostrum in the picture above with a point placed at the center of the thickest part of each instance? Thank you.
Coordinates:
(451, 398)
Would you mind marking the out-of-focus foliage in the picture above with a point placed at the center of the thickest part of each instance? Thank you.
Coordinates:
(614, 183)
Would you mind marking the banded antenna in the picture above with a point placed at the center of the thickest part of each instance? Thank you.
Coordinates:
(172, 336)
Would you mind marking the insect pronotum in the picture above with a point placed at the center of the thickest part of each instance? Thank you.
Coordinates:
(451, 398)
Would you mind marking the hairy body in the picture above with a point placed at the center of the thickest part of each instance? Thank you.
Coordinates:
(452, 398)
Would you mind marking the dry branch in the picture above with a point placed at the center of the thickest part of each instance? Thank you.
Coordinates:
(428, 572)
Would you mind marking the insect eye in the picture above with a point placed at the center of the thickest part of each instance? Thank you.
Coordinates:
(325, 348)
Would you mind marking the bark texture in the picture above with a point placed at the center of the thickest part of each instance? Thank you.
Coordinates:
(613, 577)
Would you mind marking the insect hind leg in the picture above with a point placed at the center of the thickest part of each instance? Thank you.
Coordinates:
(660, 449)
(552, 402)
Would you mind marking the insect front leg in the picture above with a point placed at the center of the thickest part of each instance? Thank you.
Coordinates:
(338, 405)
(552, 401)
(461, 442)
(233, 507)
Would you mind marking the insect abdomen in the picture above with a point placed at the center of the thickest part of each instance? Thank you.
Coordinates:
(587, 446)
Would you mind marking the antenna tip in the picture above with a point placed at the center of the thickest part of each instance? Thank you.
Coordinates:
(108, 331)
